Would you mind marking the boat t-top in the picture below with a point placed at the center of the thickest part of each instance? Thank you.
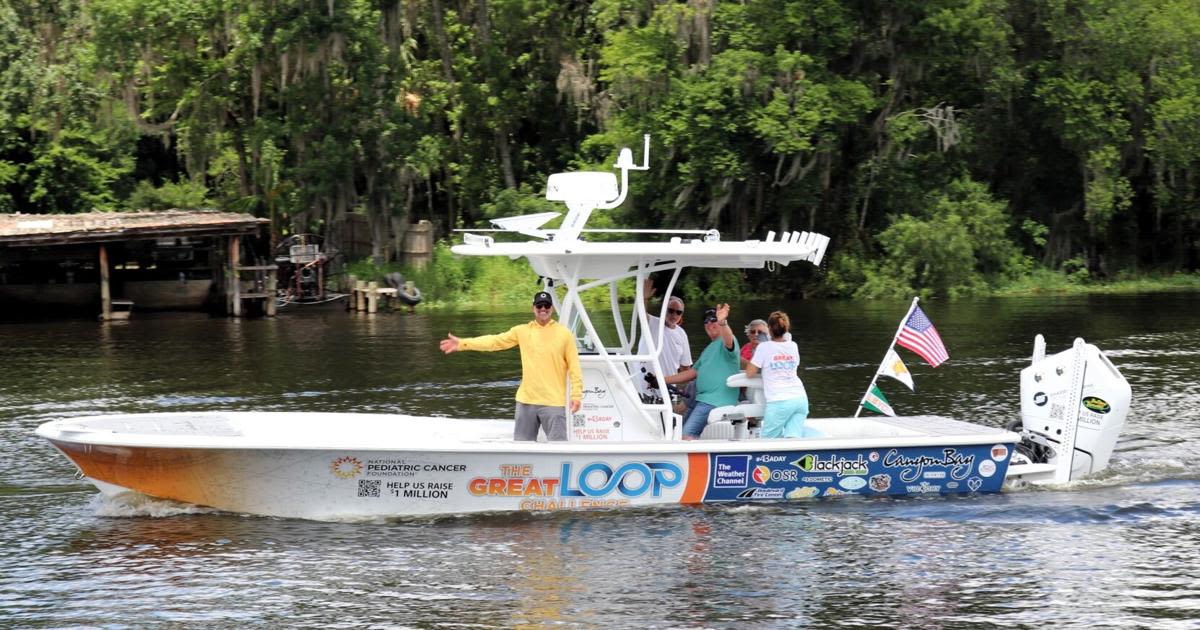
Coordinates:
(623, 449)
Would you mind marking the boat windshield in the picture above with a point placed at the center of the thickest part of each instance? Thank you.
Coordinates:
(609, 318)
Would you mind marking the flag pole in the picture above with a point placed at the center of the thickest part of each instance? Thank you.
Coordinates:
(892, 345)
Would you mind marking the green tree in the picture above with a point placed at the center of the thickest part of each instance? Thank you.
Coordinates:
(959, 246)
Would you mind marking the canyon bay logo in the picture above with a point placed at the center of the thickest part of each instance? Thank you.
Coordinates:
(956, 463)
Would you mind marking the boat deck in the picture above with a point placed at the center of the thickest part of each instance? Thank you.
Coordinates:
(389, 432)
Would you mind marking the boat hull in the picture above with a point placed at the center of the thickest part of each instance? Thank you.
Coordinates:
(349, 483)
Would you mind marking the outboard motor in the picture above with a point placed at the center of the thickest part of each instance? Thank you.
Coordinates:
(1073, 406)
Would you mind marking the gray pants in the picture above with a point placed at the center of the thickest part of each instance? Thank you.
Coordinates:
(553, 420)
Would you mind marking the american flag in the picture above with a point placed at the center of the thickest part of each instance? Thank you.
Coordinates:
(921, 337)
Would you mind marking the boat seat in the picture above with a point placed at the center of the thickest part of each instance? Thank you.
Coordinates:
(730, 422)
(723, 430)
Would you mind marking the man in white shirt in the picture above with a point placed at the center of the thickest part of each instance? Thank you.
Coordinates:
(676, 357)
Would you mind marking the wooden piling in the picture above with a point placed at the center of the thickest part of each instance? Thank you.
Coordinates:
(105, 294)
(272, 278)
(372, 297)
(235, 246)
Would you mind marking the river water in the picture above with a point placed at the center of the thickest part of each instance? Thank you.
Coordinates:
(1121, 550)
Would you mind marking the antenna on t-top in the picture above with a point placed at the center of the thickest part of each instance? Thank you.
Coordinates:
(585, 191)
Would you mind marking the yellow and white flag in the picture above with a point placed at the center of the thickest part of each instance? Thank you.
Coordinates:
(892, 366)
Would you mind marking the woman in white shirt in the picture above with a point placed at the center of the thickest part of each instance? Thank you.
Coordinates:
(777, 360)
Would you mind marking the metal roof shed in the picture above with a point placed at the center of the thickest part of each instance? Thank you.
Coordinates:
(101, 228)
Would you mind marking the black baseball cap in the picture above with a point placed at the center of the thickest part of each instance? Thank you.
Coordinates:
(710, 315)
(542, 297)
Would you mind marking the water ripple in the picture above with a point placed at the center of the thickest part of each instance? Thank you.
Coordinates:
(1119, 550)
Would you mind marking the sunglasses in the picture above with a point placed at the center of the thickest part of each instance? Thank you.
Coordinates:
(673, 311)
(542, 306)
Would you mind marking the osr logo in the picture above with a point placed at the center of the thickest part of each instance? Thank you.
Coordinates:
(763, 474)
(632, 479)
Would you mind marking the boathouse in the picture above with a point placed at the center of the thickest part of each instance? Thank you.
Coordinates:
(113, 262)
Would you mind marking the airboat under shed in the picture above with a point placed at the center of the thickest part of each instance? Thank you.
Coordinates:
(175, 259)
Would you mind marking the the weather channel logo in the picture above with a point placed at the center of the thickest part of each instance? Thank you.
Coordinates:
(730, 471)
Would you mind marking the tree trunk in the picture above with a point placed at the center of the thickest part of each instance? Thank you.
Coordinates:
(439, 29)
(510, 179)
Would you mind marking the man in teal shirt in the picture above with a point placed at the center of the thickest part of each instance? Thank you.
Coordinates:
(718, 362)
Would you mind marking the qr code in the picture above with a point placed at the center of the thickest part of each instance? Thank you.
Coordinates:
(368, 487)
(579, 420)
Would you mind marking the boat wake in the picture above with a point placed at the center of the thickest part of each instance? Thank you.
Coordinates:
(134, 505)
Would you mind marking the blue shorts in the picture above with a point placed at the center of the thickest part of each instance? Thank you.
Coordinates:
(785, 418)
(697, 419)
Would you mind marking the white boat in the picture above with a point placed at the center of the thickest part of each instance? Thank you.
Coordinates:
(622, 451)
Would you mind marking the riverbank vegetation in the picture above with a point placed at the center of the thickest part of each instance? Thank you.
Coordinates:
(948, 147)
(470, 282)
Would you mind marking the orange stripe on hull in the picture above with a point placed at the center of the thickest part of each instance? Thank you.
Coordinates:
(166, 473)
(697, 478)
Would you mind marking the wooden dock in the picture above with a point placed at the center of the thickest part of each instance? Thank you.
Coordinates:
(51, 259)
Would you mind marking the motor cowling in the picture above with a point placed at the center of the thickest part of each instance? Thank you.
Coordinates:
(1073, 407)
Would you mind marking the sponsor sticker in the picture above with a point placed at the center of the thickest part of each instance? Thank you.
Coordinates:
(763, 474)
(804, 492)
(843, 466)
(999, 452)
(852, 483)
(731, 471)
(1093, 403)
(595, 392)
(1040, 399)
(761, 493)
(880, 483)
(987, 468)
(346, 467)
(958, 463)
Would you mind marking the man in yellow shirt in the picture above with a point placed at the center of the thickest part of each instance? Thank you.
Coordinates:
(548, 357)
